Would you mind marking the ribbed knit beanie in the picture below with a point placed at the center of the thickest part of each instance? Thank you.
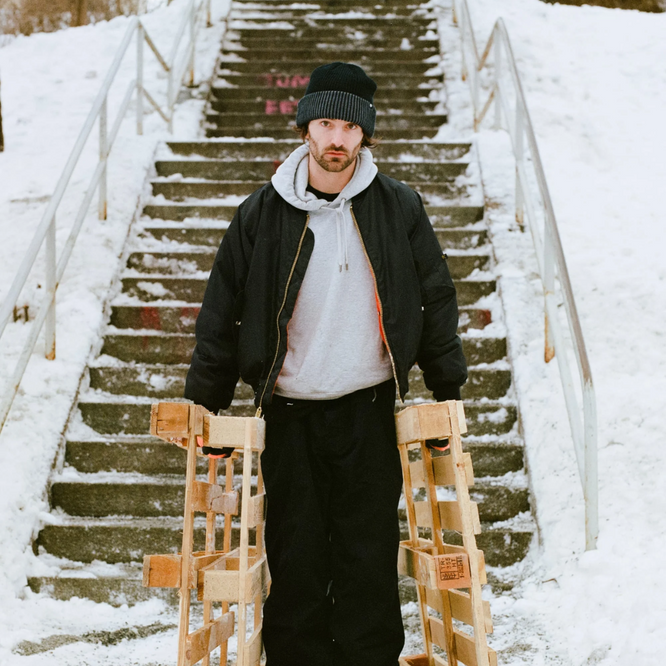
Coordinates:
(339, 91)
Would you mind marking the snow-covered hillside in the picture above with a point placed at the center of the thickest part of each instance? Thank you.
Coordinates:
(596, 90)
(49, 82)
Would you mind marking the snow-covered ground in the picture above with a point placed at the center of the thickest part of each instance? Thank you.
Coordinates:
(49, 82)
(596, 89)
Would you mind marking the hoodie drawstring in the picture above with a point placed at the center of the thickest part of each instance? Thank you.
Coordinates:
(342, 236)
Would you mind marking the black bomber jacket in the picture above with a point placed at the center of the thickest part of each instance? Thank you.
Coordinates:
(258, 271)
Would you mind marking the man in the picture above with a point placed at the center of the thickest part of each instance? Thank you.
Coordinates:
(328, 286)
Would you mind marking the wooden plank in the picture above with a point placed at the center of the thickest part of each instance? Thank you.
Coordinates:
(212, 497)
(253, 649)
(230, 431)
(170, 419)
(161, 570)
(203, 641)
(421, 422)
(417, 564)
(443, 471)
(466, 650)
(481, 558)
(449, 515)
(257, 506)
(223, 584)
(461, 607)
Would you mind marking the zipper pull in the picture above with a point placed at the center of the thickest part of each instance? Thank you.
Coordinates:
(258, 414)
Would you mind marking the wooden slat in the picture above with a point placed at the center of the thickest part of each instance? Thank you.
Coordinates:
(231, 431)
(443, 470)
(420, 422)
(253, 649)
(257, 506)
(449, 514)
(164, 570)
(461, 606)
(211, 497)
(170, 419)
(203, 641)
(465, 648)
(161, 570)
(467, 653)
(223, 585)
(417, 565)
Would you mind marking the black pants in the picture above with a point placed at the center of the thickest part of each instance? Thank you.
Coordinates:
(333, 481)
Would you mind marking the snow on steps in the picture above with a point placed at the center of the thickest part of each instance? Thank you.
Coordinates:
(119, 494)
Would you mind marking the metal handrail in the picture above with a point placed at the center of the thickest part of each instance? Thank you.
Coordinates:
(177, 69)
(549, 253)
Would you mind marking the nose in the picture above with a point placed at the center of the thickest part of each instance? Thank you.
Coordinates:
(338, 137)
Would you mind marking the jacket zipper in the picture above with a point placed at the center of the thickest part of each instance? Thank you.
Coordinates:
(379, 302)
(284, 301)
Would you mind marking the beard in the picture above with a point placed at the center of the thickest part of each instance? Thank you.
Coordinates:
(331, 163)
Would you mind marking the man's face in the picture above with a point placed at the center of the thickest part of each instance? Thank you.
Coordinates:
(334, 144)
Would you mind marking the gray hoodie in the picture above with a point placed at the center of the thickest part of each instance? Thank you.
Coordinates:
(334, 344)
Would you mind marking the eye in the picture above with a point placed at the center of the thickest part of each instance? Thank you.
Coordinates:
(351, 126)
(325, 123)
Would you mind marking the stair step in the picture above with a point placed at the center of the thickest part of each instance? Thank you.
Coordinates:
(192, 262)
(459, 239)
(290, 51)
(167, 381)
(287, 13)
(440, 216)
(293, 88)
(176, 190)
(213, 132)
(190, 290)
(127, 540)
(336, 28)
(116, 540)
(269, 69)
(179, 319)
(170, 348)
(133, 418)
(267, 104)
(385, 152)
(166, 496)
(143, 454)
(263, 170)
(419, 85)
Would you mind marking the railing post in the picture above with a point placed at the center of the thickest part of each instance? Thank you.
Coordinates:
(209, 21)
(139, 80)
(103, 157)
(591, 490)
(520, 136)
(498, 71)
(50, 323)
(548, 287)
(193, 39)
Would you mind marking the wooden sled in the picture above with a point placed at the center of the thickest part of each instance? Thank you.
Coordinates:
(239, 576)
(448, 577)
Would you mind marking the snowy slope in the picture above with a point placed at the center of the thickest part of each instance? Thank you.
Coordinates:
(49, 82)
(596, 90)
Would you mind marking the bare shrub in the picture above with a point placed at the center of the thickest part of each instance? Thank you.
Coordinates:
(28, 16)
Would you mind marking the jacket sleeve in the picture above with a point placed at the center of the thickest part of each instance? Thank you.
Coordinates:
(440, 354)
(213, 374)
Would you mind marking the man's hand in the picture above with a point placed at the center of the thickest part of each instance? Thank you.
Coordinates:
(212, 452)
(440, 445)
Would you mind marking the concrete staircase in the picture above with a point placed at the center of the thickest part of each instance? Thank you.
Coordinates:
(120, 493)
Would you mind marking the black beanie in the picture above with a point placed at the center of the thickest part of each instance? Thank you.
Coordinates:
(339, 91)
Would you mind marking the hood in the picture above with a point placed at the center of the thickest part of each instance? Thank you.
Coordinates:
(291, 180)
